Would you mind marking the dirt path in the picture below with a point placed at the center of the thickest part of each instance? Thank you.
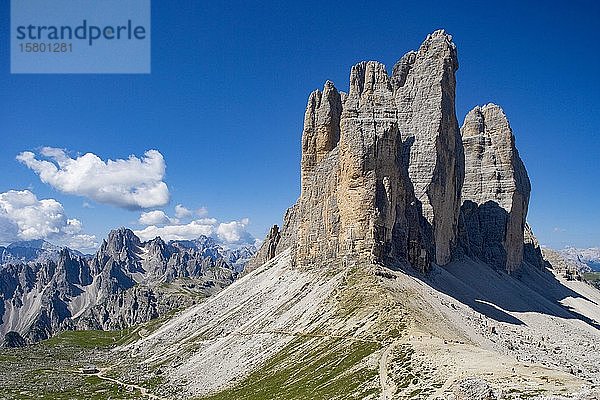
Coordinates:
(142, 390)
(387, 388)
(319, 335)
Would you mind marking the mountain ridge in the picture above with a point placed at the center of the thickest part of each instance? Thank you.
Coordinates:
(57, 289)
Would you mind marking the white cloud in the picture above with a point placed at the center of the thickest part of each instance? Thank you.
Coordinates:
(192, 230)
(235, 232)
(202, 212)
(83, 243)
(73, 226)
(24, 217)
(155, 217)
(182, 212)
(133, 183)
(9, 230)
(33, 218)
(169, 228)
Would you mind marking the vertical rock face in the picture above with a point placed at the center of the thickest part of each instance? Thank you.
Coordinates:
(496, 189)
(425, 93)
(383, 172)
(317, 222)
(366, 154)
(321, 127)
(369, 171)
(532, 252)
(267, 251)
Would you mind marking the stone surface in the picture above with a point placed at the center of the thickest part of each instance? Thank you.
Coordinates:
(267, 251)
(474, 389)
(495, 193)
(532, 251)
(429, 128)
(13, 339)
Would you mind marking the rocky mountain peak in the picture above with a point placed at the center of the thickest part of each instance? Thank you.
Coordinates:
(156, 246)
(496, 189)
(122, 247)
(383, 171)
(367, 77)
(440, 43)
(122, 237)
(120, 286)
(321, 132)
(40, 244)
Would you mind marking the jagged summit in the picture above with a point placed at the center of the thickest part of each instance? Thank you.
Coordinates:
(125, 282)
(33, 244)
(382, 166)
(120, 238)
(388, 177)
(37, 250)
(496, 189)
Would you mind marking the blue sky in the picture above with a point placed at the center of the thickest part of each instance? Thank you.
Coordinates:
(224, 103)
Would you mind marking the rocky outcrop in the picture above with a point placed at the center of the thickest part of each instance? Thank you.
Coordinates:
(473, 389)
(425, 93)
(267, 250)
(387, 177)
(13, 339)
(532, 251)
(315, 218)
(496, 189)
(382, 166)
(372, 182)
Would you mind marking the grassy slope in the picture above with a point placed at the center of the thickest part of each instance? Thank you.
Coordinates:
(593, 278)
(331, 367)
(50, 369)
(325, 364)
(312, 368)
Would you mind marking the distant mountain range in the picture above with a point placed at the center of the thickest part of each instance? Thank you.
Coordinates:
(45, 289)
(589, 257)
(31, 250)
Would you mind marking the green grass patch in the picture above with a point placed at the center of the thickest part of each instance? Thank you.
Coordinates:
(312, 368)
(89, 339)
(593, 278)
(50, 376)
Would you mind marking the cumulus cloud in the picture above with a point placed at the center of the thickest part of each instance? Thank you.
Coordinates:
(24, 217)
(83, 242)
(192, 230)
(171, 228)
(182, 212)
(235, 232)
(33, 218)
(155, 217)
(132, 183)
